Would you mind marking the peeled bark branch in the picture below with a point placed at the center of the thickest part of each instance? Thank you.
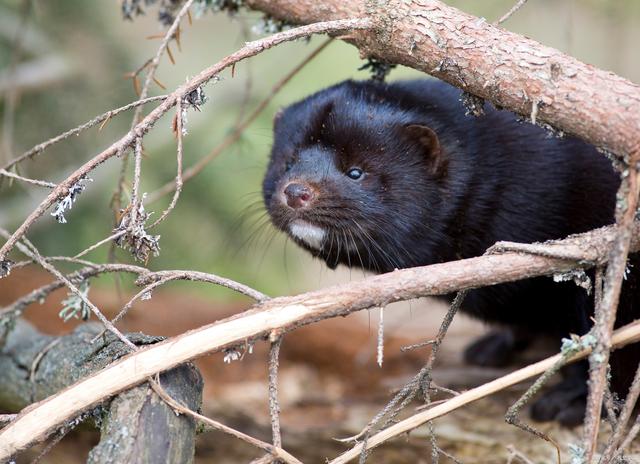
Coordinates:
(509, 70)
(287, 313)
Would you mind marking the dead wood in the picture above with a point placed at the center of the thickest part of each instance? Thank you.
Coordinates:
(136, 426)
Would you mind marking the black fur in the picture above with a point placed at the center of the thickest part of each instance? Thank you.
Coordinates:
(422, 201)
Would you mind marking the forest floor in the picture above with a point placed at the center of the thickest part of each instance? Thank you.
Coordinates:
(330, 385)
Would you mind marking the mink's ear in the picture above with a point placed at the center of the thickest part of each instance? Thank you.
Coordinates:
(428, 140)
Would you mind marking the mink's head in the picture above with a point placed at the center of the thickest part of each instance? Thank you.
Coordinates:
(354, 177)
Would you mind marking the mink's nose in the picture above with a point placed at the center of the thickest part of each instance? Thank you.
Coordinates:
(298, 195)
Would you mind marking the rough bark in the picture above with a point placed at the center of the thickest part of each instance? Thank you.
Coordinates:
(136, 426)
(287, 313)
(507, 69)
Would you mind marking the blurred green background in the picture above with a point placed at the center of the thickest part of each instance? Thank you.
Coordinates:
(73, 55)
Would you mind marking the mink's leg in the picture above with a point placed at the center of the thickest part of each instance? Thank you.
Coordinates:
(566, 401)
(496, 349)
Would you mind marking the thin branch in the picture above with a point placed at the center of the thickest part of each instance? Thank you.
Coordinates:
(417, 345)
(605, 312)
(179, 155)
(274, 407)
(422, 380)
(100, 243)
(41, 147)
(40, 183)
(274, 451)
(137, 172)
(39, 294)
(510, 13)
(31, 251)
(515, 454)
(249, 50)
(633, 433)
(380, 344)
(152, 66)
(239, 129)
(145, 291)
(152, 280)
(196, 276)
(620, 336)
(623, 420)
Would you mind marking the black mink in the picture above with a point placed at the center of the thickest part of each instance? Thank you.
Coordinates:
(384, 176)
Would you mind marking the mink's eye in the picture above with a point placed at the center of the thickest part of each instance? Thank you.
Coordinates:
(355, 173)
(288, 166)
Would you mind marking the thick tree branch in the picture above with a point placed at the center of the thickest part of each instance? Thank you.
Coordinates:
(510, 70)
(287, 313)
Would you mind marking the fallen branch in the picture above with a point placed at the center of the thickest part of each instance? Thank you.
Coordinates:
(623, 336)
(287, 313)
(35, 366)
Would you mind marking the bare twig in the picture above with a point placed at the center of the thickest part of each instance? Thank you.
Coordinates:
(41, 293)
(98, 119)
(417, 345)
(31, 251)
(178, 181)
(515, 454)
(274, 451)
(196, 276)
(36, 361)
(239, 129)
(249, 50)
(40, 183)
(623, 420)
(605, 312)
(98, 244)
(510, 13)
(511, 416)
(380, 349)
(151, 65)
(633, 433)
(274, 407)
(420, 382)
(152, 280)
(137, 172)
(477, 393)
(141, 294)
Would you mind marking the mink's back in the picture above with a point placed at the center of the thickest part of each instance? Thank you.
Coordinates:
(506, 180)
(509, 179)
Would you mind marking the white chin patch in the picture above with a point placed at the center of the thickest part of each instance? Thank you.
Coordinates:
(308, 233)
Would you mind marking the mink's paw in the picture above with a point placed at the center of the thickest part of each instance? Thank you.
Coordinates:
(495, 349)
(565, 402)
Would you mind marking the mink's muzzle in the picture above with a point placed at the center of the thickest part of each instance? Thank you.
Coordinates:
(298, 195)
